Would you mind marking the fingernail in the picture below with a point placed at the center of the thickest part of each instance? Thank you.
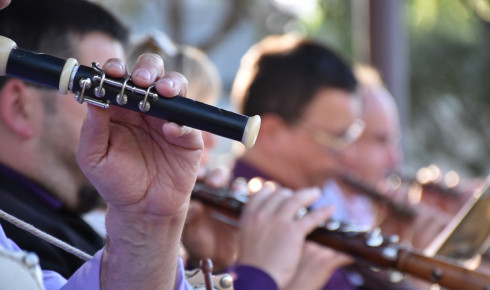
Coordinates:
(142, 73)
(170, 83)
(115, 64)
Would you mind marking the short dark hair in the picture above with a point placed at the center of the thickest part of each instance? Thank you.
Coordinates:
(48, 26)
(282, 74)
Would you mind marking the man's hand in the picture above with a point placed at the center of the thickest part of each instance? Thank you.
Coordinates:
(272, 235)
(145, 168)
(137, 162)
(316, 266)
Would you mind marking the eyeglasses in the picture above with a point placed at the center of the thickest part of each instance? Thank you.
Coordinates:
(331, 141)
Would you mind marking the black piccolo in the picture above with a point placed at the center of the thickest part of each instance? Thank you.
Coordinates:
(90, 85)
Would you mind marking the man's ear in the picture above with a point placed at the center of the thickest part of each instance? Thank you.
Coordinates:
(17, 108)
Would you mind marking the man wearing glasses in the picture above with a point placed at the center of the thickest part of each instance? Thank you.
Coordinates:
(305, 95)
(307, 98)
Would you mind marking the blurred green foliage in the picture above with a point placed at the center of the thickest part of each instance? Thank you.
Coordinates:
(449, 84)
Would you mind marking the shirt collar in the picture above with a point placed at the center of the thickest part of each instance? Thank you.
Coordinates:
(29, 186)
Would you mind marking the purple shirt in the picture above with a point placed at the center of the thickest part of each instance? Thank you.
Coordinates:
(251, 278)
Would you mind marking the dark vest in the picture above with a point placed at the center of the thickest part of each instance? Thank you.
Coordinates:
(27, 201)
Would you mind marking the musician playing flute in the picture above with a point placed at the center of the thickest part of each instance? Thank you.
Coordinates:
(305, 95)
(133, 160)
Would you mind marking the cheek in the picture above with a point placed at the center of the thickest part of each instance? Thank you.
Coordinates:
(373, 158)
(382, 154)
(376, 163)
(362, 159)
(72, 122)
(350, 156)
(73, 113)
(324, 160)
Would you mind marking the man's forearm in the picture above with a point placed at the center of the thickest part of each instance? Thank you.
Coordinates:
(144, 255)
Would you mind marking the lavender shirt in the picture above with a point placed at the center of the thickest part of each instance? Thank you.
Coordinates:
(87, 276)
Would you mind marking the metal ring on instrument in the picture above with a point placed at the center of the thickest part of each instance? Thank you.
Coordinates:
(99, 91)
(143, 105)
(121, 98)
(85, 83)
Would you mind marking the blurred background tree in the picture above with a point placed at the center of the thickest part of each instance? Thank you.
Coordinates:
(449, 44)
(446, 42)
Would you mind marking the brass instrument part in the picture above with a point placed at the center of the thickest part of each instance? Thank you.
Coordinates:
(467, 236)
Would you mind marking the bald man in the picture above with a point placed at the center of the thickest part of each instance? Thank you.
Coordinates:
(377, 152)
(372, 157)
